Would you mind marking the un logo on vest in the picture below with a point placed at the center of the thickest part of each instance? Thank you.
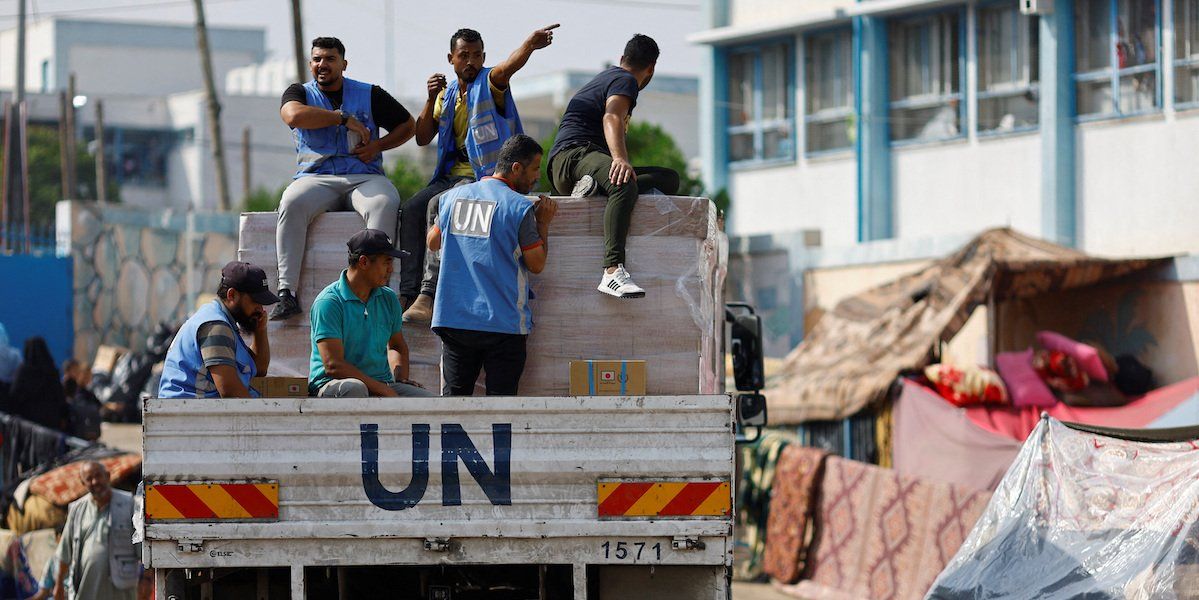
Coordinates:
(472, 218)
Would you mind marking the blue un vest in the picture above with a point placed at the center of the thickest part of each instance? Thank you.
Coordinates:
(183, 359)
(483, 285)
(326, 151)
(486, 128)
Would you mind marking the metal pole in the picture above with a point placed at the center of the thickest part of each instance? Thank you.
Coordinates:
(214, 109)
(72, 141)
(5, 194)
(20, 86)
(245, 164)
(64, 140)
(101, 166)
(23, 145)
(297, 27)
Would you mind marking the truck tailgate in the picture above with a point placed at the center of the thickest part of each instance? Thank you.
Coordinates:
(596, 480)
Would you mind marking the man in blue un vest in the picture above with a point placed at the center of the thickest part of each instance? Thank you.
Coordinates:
(207, 358)
(471, 117)
(335, 121)
(490, 237)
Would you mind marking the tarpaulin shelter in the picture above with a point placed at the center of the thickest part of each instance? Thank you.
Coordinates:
(854, 353)
(1087, 512)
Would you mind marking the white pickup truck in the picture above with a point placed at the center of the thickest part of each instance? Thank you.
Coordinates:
(539, 496)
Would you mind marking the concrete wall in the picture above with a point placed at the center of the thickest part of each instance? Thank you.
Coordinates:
(964, 187)
(134, 268)
(1137, 186)
(192, 171)
(812, 194)
(110, 57)
(765, 12)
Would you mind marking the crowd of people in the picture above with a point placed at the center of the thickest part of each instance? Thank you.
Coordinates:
(467, 243)
(33, 388)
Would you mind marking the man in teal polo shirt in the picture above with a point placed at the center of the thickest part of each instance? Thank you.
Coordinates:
(356, 321)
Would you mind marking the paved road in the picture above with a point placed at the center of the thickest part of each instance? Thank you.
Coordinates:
(756, 591)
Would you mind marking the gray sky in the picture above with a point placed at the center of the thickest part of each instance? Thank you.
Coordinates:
(592, 32)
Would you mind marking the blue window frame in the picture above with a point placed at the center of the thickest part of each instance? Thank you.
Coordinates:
(1008, 69)
(1186, 53)
(926, 66)
(761, 98)
(828, 91)
(1116, 72)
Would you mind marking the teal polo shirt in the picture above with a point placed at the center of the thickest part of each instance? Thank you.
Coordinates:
(363, 328)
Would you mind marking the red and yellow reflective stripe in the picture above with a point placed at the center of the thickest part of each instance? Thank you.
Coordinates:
(212, 501)
(664, 498)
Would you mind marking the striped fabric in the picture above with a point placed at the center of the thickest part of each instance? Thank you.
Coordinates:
(217, 347)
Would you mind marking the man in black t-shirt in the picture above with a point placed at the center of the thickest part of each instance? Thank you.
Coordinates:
(590, 154)
(336, 123)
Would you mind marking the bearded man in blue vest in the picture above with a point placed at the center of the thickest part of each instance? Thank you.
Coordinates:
(336, 123)
(207, 358)
(471, 117)
(490, 237)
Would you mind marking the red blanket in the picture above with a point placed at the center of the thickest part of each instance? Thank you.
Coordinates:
(792, 506)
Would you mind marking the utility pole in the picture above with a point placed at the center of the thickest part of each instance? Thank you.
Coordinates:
(297, 27)
(101, 161)
(4, 189)
(14, 160)
(64, 162)
(245, 164)
(214, 109)
(19, 92)
(72, 141)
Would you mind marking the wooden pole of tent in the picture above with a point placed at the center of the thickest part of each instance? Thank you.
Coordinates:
(101, 161)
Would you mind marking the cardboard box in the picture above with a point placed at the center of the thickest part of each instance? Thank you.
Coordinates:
(280, 387)
(607, 377)
(107, 357)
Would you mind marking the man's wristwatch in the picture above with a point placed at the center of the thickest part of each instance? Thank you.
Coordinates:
(345, 117)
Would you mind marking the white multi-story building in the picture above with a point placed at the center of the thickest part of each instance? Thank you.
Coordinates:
(926, 119)
(148, 76)
(855, 136)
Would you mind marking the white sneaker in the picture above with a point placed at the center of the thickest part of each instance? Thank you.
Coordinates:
(620, 284)
(584, 187)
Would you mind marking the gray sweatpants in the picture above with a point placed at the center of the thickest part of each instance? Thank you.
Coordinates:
(372, 196)
(353, 388)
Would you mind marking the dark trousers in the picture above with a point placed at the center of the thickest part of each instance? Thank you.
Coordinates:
(569, 165)
(464, 353)
(413, 227)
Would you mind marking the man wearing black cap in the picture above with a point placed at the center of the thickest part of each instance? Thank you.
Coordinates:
(208, 359)
(356, 324)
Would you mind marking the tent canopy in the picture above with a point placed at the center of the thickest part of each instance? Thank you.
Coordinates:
(856, 351)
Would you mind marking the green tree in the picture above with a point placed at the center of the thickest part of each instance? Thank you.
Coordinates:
(45, 175)
(263, 199)
(649, 144)
(408, 177)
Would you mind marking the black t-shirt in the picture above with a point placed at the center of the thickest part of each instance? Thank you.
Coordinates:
(583, 121)
(386, 110)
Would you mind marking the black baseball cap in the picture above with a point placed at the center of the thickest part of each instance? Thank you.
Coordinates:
(248, 279)
(370, 242)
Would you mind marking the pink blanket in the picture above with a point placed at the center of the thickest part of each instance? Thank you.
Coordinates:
(935, 440)
(1148, 411)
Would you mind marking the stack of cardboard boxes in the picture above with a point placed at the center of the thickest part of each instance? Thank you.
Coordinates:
(675, 251)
